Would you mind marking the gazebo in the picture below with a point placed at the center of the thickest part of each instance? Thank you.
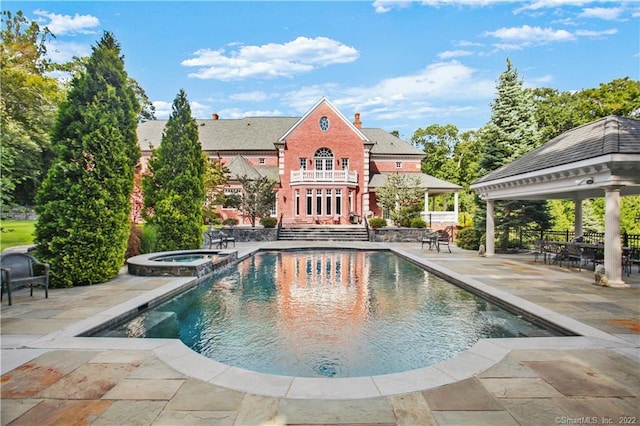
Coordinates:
(598, 159)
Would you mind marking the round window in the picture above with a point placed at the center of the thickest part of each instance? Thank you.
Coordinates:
(324, 124)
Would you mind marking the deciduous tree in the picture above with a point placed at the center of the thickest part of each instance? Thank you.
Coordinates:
(27, 108)
(258, 197)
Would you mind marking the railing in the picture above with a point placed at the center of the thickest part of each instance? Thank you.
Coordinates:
(439, 217)
(525, 237)
(346, 176)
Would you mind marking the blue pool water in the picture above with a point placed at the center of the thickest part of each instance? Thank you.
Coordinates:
(337, 313)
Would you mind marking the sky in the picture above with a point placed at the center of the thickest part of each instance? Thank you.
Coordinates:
(403, 65)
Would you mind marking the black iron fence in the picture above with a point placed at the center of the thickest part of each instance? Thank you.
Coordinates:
(526, 237)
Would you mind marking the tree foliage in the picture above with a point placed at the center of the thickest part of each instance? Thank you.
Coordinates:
(174, 185)
(215, 176)
(258, 197)
(83, 203)
(511, 132)
(402, 196)
(27, 108)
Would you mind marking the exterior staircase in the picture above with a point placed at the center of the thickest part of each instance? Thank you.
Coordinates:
(323, 233)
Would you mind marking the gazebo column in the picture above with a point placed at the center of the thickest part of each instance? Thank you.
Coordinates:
(612, 241)
(577, 218)
(490, 243)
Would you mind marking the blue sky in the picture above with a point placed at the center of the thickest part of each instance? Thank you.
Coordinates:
(403, 65)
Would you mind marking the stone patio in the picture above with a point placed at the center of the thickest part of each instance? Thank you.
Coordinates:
(49, 376)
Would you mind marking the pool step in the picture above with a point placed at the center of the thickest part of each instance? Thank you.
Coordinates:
(324, 233)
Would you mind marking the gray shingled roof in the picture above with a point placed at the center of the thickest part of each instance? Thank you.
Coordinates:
(239, 166)
(608, 135)
(260, 134)
(427, 182)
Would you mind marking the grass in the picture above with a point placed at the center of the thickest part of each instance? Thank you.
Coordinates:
(16, 233)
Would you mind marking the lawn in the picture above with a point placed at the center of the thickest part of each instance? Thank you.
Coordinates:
(16, 233)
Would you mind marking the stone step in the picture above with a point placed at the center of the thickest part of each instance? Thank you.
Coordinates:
(324, 234)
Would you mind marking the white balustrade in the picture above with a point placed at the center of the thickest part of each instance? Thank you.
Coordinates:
(347, 176)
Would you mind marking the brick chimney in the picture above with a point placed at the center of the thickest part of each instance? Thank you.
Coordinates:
(357, 122)
(215, 116)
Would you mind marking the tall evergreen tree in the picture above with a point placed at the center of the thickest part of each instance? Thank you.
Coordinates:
(511, 132)
(83, 204)
(174, 187)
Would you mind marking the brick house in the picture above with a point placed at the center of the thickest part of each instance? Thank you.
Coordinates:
(327, 167)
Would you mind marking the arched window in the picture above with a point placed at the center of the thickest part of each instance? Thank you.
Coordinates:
(323, 159)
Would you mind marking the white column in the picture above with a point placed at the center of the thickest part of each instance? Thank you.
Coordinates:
(612, 241)
(455, 206)
(577, 218)
(490, 243)
(426, 202)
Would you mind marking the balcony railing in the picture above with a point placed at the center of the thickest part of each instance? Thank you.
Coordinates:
(309, 176)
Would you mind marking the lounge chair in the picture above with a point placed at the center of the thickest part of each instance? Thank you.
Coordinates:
(18, 270)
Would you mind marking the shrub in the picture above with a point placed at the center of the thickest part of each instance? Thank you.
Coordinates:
(268, 222)
(133, 246)
(468, 238)
(377, 222)
(417, 222)
(230, 221)
(148, 238)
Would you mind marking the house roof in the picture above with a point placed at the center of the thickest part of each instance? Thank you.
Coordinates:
(240, 166)
(608, 135)
(260, 134)
(428, 182)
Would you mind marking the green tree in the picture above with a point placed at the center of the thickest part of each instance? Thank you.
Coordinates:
(511, 132)
(438, 142)
(84, 201)
(174, 186)
(258, 197)
(558, 112)
(215, 176)
(402, 196)
(27, 108)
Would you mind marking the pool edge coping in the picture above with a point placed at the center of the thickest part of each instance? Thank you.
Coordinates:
(482, 355)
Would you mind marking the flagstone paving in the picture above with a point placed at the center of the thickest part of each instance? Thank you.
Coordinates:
(47, 381)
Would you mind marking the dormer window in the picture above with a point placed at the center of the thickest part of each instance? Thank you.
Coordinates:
(324, 123)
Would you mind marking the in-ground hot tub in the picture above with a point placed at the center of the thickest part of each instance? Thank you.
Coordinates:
(180, 263)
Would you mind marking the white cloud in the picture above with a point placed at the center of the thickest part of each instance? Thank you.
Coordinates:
(530, 35)
(270, 60)
(163, 109)
(413, 96)
(63, 51)
(257, 96)
(608, 14)
(589, 33)
(66, 24)
(384, 6)
(448, 54)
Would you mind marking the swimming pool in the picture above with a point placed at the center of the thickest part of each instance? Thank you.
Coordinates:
(338, 313)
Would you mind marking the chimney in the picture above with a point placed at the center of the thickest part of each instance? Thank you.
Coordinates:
(215, 116)
(358, 123)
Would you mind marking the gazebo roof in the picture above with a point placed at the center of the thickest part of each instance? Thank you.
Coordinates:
(575, 165)
(427, 182)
